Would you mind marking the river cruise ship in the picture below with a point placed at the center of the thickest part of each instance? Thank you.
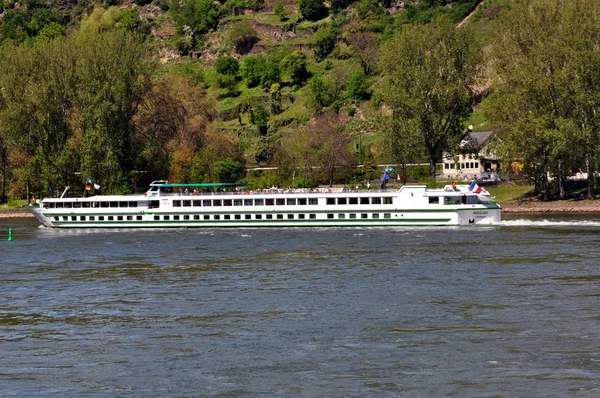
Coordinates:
(167, 205)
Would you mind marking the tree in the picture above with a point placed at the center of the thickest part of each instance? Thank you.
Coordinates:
(358, 87)
(229, 170)
(324, 42)
(252, 70)
(280, 12)
(313, 10)
(295, 65)
(546, 95)
(227, 65)
(366, 49)
(429, 72)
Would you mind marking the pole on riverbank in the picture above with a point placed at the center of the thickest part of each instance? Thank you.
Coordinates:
(9, 234)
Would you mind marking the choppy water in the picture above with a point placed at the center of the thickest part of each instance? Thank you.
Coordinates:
(509, 310)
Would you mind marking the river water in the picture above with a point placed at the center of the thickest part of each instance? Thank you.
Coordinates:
(508, 310)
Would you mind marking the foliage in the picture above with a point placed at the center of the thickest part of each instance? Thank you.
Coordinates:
(229, 170)
(227, 65)
(243, 36)
(295, 65)
(280, 12)
(358, 87)
(429, 74)
(324, 41)
(199, 15)
(252, 70)
(546, 96)
(313, 10)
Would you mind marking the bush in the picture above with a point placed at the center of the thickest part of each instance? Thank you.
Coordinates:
(324, 42)
(357, 87)
(227, 65)
(252, 70)
(295, 65)
(313, 10)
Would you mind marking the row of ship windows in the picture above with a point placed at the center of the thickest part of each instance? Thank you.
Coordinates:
(281, 202)
(226, 202)
(221, 217)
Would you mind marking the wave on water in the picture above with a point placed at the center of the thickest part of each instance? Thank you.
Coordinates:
(548, 223)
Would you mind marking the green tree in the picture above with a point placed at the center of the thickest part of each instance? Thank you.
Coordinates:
(546, 97)
(227, 65)
(252, 70)
(429, 72)
(229, 170)
(313, 10)
(358, 87)
(295, 66)
(324, 42)
(243, 36)
(280, 12)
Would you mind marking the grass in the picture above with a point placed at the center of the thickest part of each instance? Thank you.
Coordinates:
(13, 204)
(509, 192)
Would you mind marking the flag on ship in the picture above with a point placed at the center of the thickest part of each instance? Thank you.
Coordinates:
(475, 188)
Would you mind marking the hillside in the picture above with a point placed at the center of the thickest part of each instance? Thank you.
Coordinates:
(265, 68)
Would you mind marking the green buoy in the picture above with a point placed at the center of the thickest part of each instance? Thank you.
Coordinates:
(9, 234)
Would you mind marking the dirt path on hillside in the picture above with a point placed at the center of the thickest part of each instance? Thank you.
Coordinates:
(465, 19)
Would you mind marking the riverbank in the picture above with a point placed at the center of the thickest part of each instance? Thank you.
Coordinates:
(15, 213)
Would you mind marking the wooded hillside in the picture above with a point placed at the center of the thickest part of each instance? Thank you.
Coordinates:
(201, 90)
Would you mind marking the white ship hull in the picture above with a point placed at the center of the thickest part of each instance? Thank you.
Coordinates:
(410, 206)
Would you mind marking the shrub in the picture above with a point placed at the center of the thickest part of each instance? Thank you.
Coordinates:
(227, 65)
(313, 10)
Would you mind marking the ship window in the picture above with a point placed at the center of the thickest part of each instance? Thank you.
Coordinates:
(103, 204)
(330, 201)
(91, 218)
(114, 204)
(364, 215)
(364, 201)
(216, 217)
(302, 202)
(139, 218)
(313, 201)
(51, 205)
(110, 218)
(129, 218)
(312, 215)
(301, 216)
(206, 217)
(247, 217)
(237, 217)
(291, 202)
(259, 202)
(175, 217)
(68, 205)
(434, 200)
(269, 216)
(196, 217)
(154, 204)
(177, 203)
(258, 216)
(216, 202)
(269, 202)
(237, 202)
(133, 204)
(119, 218)
(227, 202)
(206, 203)
(197, 203)
(186, 217)
(341, 216)
(375, 201)
(387, 201)
(77, 205)
(290, 216)
(100, 218)
(279, 202)
(123, 204)
(342, 201)
(352, 215)
(387, 215)
(59, 205)
(248, 202)
(187, 203)
(157, 217)
(375, 215)
(166, 217)
(330, 215)
(73, 218)
(279, 216)
(227, 217)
